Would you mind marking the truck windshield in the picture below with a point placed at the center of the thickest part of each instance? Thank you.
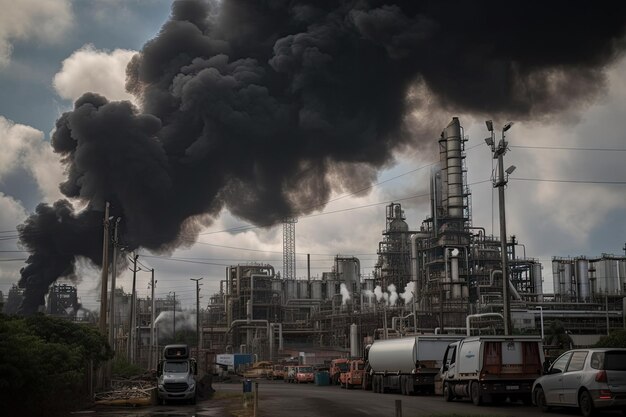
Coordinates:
(343, 367)
(175, 367)
(305, 369)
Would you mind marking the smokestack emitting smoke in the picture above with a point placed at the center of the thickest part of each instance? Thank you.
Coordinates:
(264, 107)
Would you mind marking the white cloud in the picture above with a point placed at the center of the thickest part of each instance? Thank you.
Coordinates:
(98, 71)
(25, 147)
(44, 20)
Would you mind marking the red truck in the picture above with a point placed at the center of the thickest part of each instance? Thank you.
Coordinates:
(304, 374)
(337, 366)
(354, 375)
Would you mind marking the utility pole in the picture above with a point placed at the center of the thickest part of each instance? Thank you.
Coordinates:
(105, 272)
(198, 334)
(174, 319)
(151, 353)
(498, 153)
(132, 318)
(112, 341)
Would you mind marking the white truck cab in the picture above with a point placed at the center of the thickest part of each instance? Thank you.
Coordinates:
(176, 375)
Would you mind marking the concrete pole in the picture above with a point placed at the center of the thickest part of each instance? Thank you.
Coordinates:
(174, 318)
(152, 349)
(112, 340)
(198, 334)
(105, 272)
(133, 313)
(503, 246)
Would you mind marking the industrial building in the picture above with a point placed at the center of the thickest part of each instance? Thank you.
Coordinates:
(451, 269)
(427, 279)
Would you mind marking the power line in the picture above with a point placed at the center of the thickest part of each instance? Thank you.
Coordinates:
(567, 148)
(568, 181)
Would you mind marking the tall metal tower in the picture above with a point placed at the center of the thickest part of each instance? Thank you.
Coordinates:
(289, 247)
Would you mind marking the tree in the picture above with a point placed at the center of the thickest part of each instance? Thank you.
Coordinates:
(44, 362)
(558, 337)
(616, 339)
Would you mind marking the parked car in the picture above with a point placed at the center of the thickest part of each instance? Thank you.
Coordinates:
(589, 379)
(304, 374)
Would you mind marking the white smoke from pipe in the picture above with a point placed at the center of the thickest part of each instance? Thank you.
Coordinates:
(407, 295)
(345, 294)
(378, 292)
(393, 295)
(185, 320)
(369, 294)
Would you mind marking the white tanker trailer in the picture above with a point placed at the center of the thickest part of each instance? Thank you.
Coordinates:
(407, 364)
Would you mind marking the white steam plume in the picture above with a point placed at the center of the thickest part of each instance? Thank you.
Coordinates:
(393, 295)
(378, 292)
(345, 294)
(407, 295)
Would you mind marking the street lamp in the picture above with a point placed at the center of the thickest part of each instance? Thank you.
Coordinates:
(541, 318)
(498, 153)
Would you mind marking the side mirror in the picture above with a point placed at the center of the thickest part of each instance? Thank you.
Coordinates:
(160, 369)
(444, 368)
(555, 371)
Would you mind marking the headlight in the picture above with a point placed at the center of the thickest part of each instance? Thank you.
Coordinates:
(160, 386)
(192, 386)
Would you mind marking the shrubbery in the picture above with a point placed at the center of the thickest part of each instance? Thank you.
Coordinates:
(617, 339)
(44, 363)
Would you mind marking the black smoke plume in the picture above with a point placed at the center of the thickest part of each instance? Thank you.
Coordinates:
(264, 107)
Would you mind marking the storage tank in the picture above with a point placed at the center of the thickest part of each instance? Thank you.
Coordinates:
(330, 289)
(582, 279)
(277, 285)
(566, 278)
(557, 286)
(354, 341)
(291, 289)
(316, 290)
(303, 289)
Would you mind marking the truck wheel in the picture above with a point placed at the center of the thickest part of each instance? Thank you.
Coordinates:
(477, 399)
(447, 392)
(585, 402)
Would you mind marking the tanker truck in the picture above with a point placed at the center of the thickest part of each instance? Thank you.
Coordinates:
(406, 365)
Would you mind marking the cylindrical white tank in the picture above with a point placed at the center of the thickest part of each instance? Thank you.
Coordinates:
(330, 289)
(316, 290)
(277, 285)
(354, 341)
(393, 355)
(303, 289)
(567, 274)
(582, 279)
(557, 287)
(291, 289)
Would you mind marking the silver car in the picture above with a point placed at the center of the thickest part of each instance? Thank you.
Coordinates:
(589, 379)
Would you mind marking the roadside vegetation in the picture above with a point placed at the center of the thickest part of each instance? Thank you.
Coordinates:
(616, 339)
(44, 364)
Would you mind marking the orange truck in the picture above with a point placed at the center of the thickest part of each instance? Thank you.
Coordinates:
(337, 367)
(354, 375)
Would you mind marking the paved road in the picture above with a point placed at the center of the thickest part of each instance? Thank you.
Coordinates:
(277, 399)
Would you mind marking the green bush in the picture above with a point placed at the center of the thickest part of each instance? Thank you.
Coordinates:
(44, 362)
(616, 339)
(124, 369)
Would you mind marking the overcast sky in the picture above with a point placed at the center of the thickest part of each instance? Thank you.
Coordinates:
(567, 196)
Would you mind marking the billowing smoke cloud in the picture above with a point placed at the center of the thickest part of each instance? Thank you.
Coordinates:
(393, 295)
(263, 107)
(345, 294)
(407, 294)
(369, 295)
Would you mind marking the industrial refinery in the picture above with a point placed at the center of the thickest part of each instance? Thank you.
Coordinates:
(428, 279)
